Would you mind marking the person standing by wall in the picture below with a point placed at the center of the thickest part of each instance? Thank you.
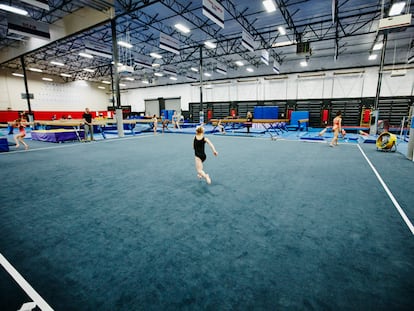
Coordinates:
(249, 121)
(87, 124)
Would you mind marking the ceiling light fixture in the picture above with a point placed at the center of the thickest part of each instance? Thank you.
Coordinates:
(101, 87)
(66, 75)
(57, 63)
(85, 55)
(377, 46)
(210, 45)
(304, 63)
(283, 43)
(106, 82)
(129, 79)
(372, 57)
(17, 74)
(155, 55)
(269, 5)
(194, 69)
(125, 44)
(396, 8)
(281, 30)
(122, 84)
(249, 69)
(88, 70)
(207, 74)
(182, 28)
(47, 79)
(13, 9)
(158, 74)
(36, 69)
(173, 78)
(239, 63)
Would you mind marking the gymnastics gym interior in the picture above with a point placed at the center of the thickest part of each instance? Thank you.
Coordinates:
(300, 214)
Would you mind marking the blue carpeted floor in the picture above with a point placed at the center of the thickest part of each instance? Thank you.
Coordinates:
(124, 224)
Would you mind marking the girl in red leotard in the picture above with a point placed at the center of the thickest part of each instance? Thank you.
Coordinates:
(20, 123)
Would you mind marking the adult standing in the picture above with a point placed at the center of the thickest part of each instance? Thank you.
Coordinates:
(87, 124)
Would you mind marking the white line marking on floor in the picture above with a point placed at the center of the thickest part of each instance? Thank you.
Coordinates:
(387, 190)
(40, 302)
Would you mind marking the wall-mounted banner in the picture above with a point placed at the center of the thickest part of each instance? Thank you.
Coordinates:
(214, 11)
(276, 67)
(43, 4)
(169, 43)
(27, 27)
(248, 41)
(98, 49)
(265, 57)
(144, 61)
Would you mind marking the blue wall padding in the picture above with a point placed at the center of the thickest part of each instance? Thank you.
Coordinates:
(266, 112)
(297, 115)
(4, 145)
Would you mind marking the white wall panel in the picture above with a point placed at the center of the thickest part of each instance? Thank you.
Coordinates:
(275, 89)
(310, 87)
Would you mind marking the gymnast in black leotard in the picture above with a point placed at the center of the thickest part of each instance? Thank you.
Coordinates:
(199, 151)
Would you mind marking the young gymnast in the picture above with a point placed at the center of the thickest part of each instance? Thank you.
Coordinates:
(200, 155)
(337, 128)
(20, 123)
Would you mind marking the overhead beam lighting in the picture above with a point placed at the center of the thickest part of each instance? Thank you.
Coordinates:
(304, 63)
(396, 8)
(17, 74)
(173, 78)
(66, 75)
(155, 55)
(88, 70)
(158, 74)
(372, 57)
(35, 69)
(377, 46)
(13, 9)
(194, 69)
(182, 28)
(57, 63)
(125, 44)
(239, 63)
(283, 43)
(85, 55)
(106, 82)
(210, 45)
(47, 79)
(269, 5)
(281, 30)
(249, 69)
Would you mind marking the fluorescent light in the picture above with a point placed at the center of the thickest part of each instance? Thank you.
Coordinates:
(210, 45)
(106, 82)
(13, 9)
(373, 57)
(239, 63)
(57, 63)
(129, 79)
(283, 43)
(88, 70)
(249, 69)
(304, 63)
(155, 55)
(194, 69)
(281, 30)
(158, 74)
(66, 75)
(36, 69)
(207, 74)
(182, 28)
(155, 65)
(47, 79)
(85, 55)
(125, 44)
(173, 78)
(377, 46)
(101, 87)
(269, 5)
(17, 74)
(396, 8)
(145, 81)
(122, 84)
